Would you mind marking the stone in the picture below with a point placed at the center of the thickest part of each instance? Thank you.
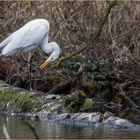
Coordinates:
(53, 96)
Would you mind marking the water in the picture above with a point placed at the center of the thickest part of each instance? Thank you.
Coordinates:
(18, 128)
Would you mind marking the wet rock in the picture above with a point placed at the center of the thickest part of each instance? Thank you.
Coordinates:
(3, 85)
(93, 117)
(55, 107)
(82, 119)
(62, 116)
(35, 117)
(107, 114)
(89, 117)
(113, 121)
(53, 96)
(110, 120)
(13, 114)
(44, 116)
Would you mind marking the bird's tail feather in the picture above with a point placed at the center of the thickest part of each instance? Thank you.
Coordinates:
(6, 41)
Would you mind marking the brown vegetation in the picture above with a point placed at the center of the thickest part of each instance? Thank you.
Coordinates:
(73, 23)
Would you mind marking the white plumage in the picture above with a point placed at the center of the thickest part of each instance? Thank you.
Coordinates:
(30, 36)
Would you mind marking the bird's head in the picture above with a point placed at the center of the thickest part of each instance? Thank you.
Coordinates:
(55, 52)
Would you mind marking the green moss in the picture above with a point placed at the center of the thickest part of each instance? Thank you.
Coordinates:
(74, 101)
(88, 84)
(122, 95)
(2, 82)
(101, 117)
(74, 106)
(88, 104)
(27, 102)
(54, 78)
(23, 101)
(7, 94)
(82, 94)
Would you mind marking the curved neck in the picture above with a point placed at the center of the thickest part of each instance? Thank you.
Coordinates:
(45, 45)
(55, 51)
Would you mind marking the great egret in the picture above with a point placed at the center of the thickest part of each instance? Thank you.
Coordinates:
(30, 36)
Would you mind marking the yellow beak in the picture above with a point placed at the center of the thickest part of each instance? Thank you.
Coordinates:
(45, 64)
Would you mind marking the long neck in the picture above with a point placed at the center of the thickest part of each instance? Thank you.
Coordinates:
(55, 51)
(45, 45)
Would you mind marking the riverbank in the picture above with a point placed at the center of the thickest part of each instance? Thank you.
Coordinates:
(42, 106)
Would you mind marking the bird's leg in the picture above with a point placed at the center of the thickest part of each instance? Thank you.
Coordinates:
(29, 71)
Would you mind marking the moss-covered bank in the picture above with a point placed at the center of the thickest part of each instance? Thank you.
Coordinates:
(15, 100)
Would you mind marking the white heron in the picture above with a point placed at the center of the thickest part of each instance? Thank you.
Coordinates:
(30, 36)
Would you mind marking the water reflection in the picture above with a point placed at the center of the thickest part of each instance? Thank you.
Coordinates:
(18, 129)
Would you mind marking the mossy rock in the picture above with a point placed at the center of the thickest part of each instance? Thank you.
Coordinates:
(11, 100)
(88, 84)
(7, 94)
(74, 101)
(77, 95)
(2, 82)
(88, 104)
(82, 94)
(26, 102)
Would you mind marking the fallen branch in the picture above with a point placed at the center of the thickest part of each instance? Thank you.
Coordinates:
(129, 83)
(124, 97)
(62, 88)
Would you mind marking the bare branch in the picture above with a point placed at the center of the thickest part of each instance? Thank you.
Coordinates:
(92, 39)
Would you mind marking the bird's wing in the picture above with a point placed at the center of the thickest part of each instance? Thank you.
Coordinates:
(31, 35)
(25, 37)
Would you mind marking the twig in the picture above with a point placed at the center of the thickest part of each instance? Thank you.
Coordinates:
(92, 39)
(129, 83)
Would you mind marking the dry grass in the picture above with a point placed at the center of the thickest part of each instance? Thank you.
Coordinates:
(73, 22)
